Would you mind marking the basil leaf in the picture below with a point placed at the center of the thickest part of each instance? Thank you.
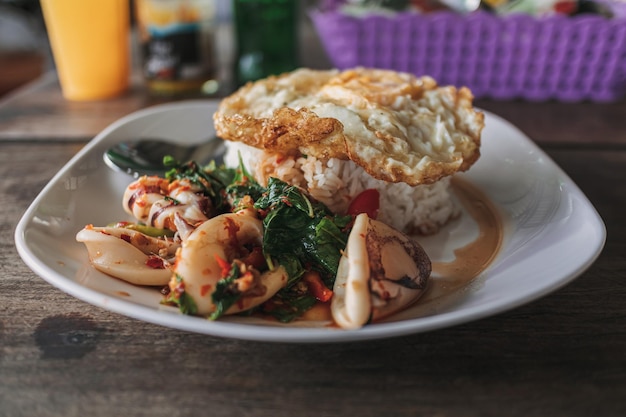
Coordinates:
(181, 299)
(280, 193)
(226, 292)
(211, 183)
(286, 306)
(329, 241)
(243, 184)
(292, 265)
(223, 175)
(187, 305)
(296, 228)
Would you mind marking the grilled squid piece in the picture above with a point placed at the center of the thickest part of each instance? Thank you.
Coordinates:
(128, 254)
(141, 194)
(226, 238)
(381, 272)
(157, 202)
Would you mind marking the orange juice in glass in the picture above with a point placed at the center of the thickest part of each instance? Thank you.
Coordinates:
(90, 45)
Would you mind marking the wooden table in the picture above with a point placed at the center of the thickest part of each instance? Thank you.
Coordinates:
(562, 355)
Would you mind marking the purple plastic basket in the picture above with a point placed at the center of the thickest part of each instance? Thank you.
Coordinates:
(517, 56)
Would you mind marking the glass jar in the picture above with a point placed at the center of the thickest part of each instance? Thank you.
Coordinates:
(177, 46)
(266, 38)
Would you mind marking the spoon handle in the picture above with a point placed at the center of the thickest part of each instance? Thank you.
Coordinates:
(145, 156)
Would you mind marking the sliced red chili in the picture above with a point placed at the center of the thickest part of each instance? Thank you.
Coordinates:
(368, 201)
(155, 262)
(224, 265)
(316, 286)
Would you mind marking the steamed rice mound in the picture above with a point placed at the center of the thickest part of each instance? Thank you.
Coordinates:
(421, 209)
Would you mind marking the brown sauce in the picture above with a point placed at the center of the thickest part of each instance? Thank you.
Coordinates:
(473, 258)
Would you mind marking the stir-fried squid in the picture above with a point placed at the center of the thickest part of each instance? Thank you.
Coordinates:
(221, 244)
(381, 272)
(227, 241)
(129, 254)
(156, 201)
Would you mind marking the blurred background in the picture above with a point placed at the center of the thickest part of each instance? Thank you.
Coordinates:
(24, 50)
(569, 50)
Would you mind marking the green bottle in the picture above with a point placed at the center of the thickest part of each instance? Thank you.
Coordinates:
(266, 37)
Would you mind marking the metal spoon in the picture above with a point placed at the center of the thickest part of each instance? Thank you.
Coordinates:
(145, 156)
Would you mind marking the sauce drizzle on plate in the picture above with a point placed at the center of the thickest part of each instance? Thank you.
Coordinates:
(472, 259)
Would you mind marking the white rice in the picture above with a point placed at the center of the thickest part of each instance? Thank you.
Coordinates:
(415, 210)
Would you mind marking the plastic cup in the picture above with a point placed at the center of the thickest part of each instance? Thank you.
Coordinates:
(90, 45)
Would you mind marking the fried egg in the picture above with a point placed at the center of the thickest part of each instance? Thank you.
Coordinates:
(396, 126)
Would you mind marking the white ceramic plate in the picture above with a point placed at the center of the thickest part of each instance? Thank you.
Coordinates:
(552, 233)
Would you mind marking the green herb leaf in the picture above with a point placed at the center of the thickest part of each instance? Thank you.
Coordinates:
(287, 306)
(298, 230)
(243, 184)
(185, 303)
(280, 193)
(211, 183)
(328, 243)
(226, 292)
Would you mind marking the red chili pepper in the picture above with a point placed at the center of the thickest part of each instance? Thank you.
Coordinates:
(316, 286)
(223, 264)
(155, 262)
(368, 201)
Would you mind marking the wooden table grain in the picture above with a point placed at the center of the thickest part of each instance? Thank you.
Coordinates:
(562, 355)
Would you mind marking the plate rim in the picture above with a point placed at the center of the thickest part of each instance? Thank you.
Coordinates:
(289, 334)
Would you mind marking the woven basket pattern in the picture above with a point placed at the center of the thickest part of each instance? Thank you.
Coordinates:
(517, 56)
